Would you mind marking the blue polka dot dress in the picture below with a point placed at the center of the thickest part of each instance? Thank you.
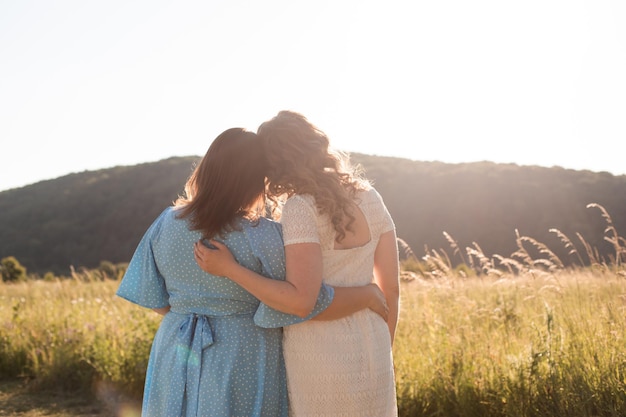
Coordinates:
(218, 352)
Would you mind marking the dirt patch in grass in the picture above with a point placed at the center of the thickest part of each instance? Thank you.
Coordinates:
(18, 399)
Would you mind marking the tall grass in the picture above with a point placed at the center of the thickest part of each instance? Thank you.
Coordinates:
(517, 335)
(74, 334)
(520, 335)
(522, 346)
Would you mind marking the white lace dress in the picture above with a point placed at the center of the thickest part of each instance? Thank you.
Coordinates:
(342, 367)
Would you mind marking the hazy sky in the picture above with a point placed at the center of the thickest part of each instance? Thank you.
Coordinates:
(93, 84)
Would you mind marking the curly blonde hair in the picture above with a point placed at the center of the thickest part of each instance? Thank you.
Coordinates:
(301, 161)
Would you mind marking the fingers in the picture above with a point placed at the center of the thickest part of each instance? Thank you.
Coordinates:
(385, 313)
(212, 244)
(205, 245)
(383, 310)
(217, 244)
(197, 251)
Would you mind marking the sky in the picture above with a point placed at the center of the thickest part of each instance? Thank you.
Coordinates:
(87, 85)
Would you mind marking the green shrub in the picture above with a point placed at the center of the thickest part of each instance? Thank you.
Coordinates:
(11, 270)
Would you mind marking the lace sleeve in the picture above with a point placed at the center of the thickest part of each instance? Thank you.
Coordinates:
(381, 216)
(299, 220)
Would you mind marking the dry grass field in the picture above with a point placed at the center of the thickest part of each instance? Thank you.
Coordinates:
(533, 345)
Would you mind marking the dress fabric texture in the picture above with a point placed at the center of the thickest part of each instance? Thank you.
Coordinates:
(342, 367)
(218, 352)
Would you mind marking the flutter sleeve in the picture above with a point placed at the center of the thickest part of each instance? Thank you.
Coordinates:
(267, 242)
(142, 283)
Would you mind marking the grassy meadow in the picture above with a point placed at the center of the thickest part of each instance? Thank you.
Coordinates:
(518, 336)
(550, 345)
(532, 345)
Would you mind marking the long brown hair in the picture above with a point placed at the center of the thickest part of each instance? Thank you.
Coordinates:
(228, 183)
(301, 161)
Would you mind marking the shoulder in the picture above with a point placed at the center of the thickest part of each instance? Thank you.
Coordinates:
(300, 200)
(169, 219)
(299, 218)
(167, 216)
(373, 204)
(169, 213)
(370, 195)
(261, 227)
(263, 235)
(265, 223)
(299, 205)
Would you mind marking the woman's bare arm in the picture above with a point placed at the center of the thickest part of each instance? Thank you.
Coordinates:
(387, 276)
(349, 300)
(298, 293)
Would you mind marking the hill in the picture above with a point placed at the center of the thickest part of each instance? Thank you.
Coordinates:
(84, 218)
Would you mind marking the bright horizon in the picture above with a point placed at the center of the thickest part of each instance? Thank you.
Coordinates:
(92, 85)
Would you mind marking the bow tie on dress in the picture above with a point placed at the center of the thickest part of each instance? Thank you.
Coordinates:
(194, 335)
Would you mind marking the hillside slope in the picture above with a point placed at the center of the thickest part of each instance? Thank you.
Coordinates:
(84, 218)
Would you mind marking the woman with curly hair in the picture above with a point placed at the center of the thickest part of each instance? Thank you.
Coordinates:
(337, 231)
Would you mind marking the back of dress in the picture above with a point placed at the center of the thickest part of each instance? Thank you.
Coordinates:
(218, 350)
(344, 366)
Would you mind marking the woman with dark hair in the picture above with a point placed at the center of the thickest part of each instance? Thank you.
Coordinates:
(218, 351)
(337, 231)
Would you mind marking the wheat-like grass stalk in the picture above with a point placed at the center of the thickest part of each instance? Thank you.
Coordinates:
(612, 236)
(546, 263)
(521, 251)
(622, 242)
(568, 245)
(509, 264)
(552, 263)
(486, 264)
(454, 245)
(405, 249)
(437, 265)
(593, 256)
(443, 256)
